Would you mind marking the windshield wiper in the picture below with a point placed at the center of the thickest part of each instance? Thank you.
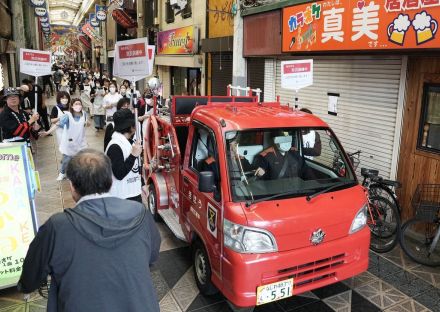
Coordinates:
(328, 189)
(295, 192)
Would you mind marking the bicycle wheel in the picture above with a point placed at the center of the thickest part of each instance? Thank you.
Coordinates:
(416, 239)
(376, 189)
(384, 223)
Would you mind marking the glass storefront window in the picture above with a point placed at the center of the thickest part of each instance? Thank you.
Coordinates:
(429, 131)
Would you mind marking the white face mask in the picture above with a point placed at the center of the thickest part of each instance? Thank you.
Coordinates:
(123, 91)
(148, 101)
(64, 101)
(112, 90)
(98, 85)
(284, 147)
(77, 108)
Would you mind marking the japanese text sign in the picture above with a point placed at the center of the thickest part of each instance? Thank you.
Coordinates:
(17, 214)
(132, 59)
(296, 75)
(90, 31)
(178, 41)
(336, 25)
(35, 63)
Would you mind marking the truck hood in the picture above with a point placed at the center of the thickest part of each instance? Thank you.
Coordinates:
(292, 221)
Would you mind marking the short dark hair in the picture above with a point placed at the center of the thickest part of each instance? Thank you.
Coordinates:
(62, 94)
(90, 172)
(122, 102)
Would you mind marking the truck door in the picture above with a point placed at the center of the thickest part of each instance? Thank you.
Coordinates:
(204, 212)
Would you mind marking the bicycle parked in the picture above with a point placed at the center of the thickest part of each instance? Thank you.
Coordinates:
(383, 209)
(420, 235)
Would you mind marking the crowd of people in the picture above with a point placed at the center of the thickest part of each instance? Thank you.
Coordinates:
(102, 182)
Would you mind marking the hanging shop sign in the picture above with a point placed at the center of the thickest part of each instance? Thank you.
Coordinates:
(178, 41)
(361, 25)
(296, 75)
(18, 223)
(90, 31)
(131, 59)
(101, 12)
(93, 21)
(44, 19)
(85, 42)
(122, 18)
(40, 11)
(35, 62)
(45, 24)
(38, 3)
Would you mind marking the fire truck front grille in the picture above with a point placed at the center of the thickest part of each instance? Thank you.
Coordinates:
(308, 273)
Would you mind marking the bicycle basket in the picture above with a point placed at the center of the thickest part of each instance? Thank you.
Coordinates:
(426, 201)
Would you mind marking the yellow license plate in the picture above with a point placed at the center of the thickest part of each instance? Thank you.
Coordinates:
(274, 291)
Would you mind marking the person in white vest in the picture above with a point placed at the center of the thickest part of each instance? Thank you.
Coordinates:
(311, 140)
(124, 155)
(62, 106)
(73, 136)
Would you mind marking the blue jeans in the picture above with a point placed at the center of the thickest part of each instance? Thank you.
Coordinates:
(99, 121)
(64, 163)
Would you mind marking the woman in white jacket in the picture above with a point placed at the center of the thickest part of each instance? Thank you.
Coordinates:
(73, 138)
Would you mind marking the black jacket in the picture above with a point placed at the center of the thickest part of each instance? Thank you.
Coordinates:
(98, 255)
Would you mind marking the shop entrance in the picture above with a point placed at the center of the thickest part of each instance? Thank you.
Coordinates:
(185, 81)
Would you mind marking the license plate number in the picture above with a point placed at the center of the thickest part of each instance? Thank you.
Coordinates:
(274, 291)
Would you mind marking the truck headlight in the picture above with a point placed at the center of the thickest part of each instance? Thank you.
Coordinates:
(244, 239)
(359, 221)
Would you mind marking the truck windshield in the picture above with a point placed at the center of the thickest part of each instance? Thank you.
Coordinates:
(285, 163)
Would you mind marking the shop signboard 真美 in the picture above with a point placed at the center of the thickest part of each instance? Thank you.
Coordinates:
(180, 41)
(361, 25)
(18, 224)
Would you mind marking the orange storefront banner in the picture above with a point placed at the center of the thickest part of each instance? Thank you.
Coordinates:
(338, 25)
(178, 41)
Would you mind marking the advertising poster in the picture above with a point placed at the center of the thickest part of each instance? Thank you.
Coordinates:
(361, 25)
(178, 41)
(18, 223)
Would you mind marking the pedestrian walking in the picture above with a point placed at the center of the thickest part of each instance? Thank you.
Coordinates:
(110, 101)
(98, 254)
(124, 155)
(61, 107)
(73, 136)
(98, 108)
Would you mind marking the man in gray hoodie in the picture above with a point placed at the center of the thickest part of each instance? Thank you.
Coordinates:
(97, 254)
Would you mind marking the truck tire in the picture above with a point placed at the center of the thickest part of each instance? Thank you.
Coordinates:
(202, 270)
(234, 308)
(152, 202)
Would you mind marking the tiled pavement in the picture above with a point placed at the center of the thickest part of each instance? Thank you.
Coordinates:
(393, 283)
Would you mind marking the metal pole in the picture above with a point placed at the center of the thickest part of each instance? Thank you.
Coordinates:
(36, 95)
(134, 104)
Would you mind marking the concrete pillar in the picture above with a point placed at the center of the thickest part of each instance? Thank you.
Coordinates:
(18, 33)
(239, 69)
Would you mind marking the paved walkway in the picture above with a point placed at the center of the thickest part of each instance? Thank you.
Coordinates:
(392, 282)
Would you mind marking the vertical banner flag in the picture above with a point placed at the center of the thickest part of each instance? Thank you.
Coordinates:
(93, 21)
(101, 12)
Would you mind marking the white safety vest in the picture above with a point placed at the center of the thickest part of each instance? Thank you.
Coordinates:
(73, 138)
(130, 185)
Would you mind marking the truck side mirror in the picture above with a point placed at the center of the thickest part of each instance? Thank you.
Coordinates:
(206, 182)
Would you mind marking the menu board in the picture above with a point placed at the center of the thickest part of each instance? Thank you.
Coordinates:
(18, 224)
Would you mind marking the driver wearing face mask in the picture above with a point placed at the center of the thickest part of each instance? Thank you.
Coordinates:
(279, 161)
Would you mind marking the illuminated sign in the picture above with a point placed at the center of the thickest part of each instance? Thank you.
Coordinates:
(178, 41)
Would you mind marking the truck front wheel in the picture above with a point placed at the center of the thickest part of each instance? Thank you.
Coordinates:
(202, 270)
(152, 202)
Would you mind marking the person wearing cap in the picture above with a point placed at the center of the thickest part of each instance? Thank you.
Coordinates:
(124, 156)
(16, 124)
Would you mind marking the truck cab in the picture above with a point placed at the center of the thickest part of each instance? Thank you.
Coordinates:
(264, 194)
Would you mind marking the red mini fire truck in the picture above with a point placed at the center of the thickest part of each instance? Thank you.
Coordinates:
(254, 190)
